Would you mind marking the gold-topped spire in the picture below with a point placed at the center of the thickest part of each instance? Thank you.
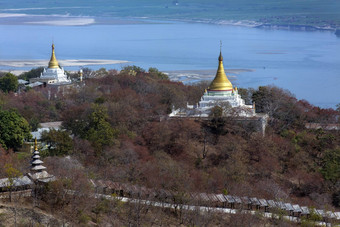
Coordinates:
(220, 82)
(35, 144)
(53, 61)
(220, 58)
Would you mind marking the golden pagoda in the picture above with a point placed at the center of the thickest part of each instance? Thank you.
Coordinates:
(221, 81)
(53, 74)
(53, 61)
(220, 93)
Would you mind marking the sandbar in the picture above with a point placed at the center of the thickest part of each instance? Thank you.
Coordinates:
(65, 20)
(193, 76)
(63, 63)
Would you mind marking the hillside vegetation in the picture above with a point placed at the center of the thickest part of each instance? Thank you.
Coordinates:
(120, 133)
(278, 12)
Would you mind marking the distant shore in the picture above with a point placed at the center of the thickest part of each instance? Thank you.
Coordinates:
(256, 24)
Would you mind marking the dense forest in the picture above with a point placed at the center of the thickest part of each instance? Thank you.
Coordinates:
(115, 127)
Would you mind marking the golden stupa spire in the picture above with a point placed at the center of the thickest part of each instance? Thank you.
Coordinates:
(220, 82)
(53, 61)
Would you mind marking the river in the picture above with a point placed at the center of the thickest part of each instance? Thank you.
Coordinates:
(304, 62)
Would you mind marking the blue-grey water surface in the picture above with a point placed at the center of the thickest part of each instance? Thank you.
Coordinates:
(305, 63)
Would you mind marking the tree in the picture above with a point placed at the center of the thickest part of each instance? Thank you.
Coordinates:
(154, 72)
(267, 99)
(9, 83)
(132, 70)
(217, 121)
(11, 174)
(99, 130)
(13, 129)
(33, 73)
(246, 94)
(87, 72)
(281, 106)
(90, 123)
(59, 142)
(331, 165)
(336, 199)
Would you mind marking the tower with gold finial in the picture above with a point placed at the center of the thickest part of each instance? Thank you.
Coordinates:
(53, 74)
(36, 162)
(38, 172)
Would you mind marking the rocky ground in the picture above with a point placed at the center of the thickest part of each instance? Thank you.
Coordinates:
(22, 214)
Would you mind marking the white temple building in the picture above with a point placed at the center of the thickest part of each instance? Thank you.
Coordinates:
(54, 74)
(220, 93)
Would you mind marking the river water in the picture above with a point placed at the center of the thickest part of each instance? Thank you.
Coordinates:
(306, 63)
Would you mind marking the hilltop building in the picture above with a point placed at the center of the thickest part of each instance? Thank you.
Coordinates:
(54, 74)
(220, 93)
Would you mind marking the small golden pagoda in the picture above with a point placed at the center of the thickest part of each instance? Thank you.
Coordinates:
(221, 81)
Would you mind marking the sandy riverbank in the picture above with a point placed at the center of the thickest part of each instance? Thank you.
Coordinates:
(64, 20)
(9, 18)
(64, 63)
(193, 76)
(15, 65)
(185, 76)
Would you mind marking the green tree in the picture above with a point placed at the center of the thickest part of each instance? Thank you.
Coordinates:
(331, 165)
(155, 73)
(217, 121)
(33, 73)
(13, 129)
(11, 173)
(34, 123)
(59, 142)
(99, 130)
(9, 82)
(134, 68)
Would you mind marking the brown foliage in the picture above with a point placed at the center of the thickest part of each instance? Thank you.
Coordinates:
(180, 155)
